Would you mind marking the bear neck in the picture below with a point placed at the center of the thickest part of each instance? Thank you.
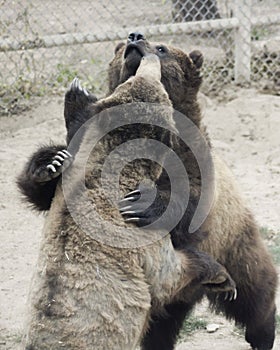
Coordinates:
(191, 109)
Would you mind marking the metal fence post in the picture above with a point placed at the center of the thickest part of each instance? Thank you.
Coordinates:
(242, 70)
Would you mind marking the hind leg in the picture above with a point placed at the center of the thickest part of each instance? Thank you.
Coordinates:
(254, 308)
(255, 312)
(176, 289)
(164, 329)
(261, 335)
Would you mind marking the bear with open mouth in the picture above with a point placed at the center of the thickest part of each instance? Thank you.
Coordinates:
(99, 278)
(231, 234)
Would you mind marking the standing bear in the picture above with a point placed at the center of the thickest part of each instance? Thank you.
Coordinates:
(99, 278)
(230, 232)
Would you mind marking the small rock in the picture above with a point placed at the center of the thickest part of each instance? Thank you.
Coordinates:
(212, 327)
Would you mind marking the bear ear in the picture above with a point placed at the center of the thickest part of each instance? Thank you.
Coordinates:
(118, 47)
(197, 58)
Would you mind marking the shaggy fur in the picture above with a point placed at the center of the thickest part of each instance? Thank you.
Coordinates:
(233, 237)
(89, 295)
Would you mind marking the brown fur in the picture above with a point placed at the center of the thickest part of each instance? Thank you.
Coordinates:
(234, 240)
(233, 236)
(89, 295)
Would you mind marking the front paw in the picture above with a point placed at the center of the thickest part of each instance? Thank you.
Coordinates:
(142, 206)
(54, 167)
(222, 283)
(77, 96)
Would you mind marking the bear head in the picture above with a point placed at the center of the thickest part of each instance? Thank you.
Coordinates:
(180, 72)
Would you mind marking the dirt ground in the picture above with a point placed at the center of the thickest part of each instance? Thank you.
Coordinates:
(245, 127)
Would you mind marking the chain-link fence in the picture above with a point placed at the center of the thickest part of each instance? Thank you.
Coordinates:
(44, 44)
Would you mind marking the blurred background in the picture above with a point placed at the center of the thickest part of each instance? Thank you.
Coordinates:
(44, 44)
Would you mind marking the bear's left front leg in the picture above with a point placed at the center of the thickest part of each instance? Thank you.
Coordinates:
(40, 176)
(136, 206)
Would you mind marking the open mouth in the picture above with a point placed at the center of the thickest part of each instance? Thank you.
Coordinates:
(135, 49)
(133, 55)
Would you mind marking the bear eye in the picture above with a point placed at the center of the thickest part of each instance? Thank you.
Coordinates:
(161, 49)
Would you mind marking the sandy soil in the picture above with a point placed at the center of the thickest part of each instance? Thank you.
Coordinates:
(245, 127)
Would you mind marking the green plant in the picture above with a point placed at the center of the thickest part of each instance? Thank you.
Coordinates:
(278, 323)
(191, 325)
(65, 74)
(275, 252)
(273, 242)
(266, 232)
(259, 33)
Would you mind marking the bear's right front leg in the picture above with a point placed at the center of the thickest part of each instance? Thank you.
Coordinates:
(208, 273)
(174, 274)
(198, 272)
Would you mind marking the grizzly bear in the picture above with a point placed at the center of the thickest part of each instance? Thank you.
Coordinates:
(98, 280)
(232, 236)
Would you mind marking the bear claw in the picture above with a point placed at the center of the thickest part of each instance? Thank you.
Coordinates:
(76, 85)
(129, 212)
(127, 199)
(132, 193)
(124, 208)
(56, 162)
(131, 219)
(59, 163)
(230, 296)
(131, 196)
(51, 167)
(59, 158)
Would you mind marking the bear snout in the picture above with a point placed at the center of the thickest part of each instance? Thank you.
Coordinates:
(135, 36)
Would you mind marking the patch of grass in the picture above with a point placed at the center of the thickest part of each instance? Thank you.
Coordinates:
(275, 251)
(266, 232)
(19, 96)
(14, 98)
(272, 239)
(191, 325)
(278, 323)
(259, 33)
(65, 74)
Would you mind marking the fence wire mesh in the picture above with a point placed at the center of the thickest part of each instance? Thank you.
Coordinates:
(44, 44)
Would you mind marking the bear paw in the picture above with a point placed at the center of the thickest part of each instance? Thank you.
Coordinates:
(78, 95)
(61, 161)
(223, 283)
(143, 206)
